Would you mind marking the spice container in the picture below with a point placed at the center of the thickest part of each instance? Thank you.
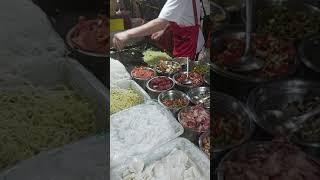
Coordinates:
(159, 84)
(173, 100)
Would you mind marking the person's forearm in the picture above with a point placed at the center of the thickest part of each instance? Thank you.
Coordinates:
(148, 28)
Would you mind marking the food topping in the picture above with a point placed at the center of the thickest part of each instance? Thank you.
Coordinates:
(161, 83)
(175, 103)
(201, 68)
(92, 35)
(206, 144)
(195, 78)
(277, 54)
(168, 67)
(276, 160)
(123, 99)
(154, 57)
(227, 130)
(143, 73)
(195, 117)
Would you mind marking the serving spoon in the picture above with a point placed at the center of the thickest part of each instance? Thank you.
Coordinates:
(187, 81)
(286, 123)
(248, 62)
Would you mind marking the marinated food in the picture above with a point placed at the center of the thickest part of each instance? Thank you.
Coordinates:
(278, 55)
(195, 117)
(161, 83)
(92, 35)
(123, 99)
(143, 73)
(275, 160)
(195, 78)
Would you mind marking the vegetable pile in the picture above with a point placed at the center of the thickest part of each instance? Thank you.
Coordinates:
(143, 73)
(227, 130)
(196, 118)
(168, 67)
(123, 99)
(276, 160)
(201, 68)
(161, 83)
(154, 57)
(38, 119)
(287, 23)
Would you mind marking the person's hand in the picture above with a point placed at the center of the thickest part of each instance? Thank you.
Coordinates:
(119, 40)
(156, 36)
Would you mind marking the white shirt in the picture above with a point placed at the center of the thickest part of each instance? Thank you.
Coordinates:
(181, 12)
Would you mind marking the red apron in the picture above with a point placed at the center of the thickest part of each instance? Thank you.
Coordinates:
(180, 41)
(185, 38)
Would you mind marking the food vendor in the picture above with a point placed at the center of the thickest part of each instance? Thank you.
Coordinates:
(181, 18)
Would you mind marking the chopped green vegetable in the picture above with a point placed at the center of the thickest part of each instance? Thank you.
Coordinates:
(153, 57)
(123, 99)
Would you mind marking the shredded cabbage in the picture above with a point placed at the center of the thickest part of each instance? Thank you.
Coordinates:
(153, 57)
(123, 99)
(38, 119)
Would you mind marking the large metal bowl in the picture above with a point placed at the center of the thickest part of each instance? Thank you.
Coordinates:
(309, 52)
(243, 148)
(296, 5)
(171, 95)
(238, 33)
(225, 104)
(277, 95)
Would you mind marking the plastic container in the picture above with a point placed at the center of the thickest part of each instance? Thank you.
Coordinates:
(140, 111)
(200, 159)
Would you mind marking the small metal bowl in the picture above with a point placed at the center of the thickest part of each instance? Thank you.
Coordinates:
(155, 93)
(173, 94)
(201, 138)
(142, 81)
(168, 62)
(195, 93)
(184, 87)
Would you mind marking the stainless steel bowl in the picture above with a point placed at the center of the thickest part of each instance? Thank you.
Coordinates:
(184, 87)
(225, 104)
(310, 46)
(142, 82)
(169, 62)
(196, 93)
(277, 95)
(296, 5)
(201, 138)
(237, 33)
(171, 95)
(196, 63)
(155, 93)
(183, 62)
(250, 146)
